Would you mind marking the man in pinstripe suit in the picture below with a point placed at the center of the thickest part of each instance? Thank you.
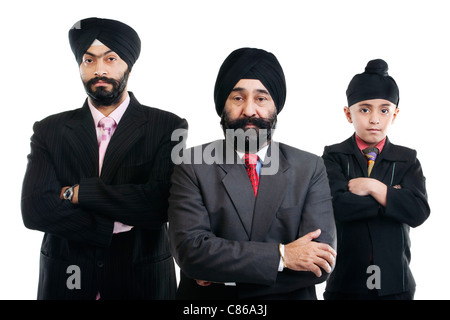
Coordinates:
(105, 219)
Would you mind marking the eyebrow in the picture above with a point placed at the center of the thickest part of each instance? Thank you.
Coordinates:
(240, 89)
(101, 55)
(371, 105)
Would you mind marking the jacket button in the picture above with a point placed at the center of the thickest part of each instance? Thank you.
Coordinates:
(100, 263)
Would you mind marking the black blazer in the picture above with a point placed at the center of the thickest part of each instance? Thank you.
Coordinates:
(219, 232)
(368, 233)
(133, 188)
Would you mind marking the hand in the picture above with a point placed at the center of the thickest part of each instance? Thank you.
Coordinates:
(369, 187)
(75, 194)
(361, 186)
(304, 254)
(203, 283)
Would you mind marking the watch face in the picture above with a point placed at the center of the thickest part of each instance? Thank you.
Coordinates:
(68, 194)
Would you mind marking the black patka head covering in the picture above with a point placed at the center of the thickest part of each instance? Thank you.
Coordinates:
(250, 63)
(373, 83)
(117, 36)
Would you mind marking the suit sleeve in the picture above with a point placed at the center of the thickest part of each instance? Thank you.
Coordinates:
(317, 213)
(143, 205)
(406, 205)
(43, 210)
(205, 256)
(409, 204)
(347, 206)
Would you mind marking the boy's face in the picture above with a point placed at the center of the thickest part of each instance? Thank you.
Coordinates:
(372, 119)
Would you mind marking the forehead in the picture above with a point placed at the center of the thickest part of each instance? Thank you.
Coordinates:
(250, 85)
(99, 50)
(375, 103)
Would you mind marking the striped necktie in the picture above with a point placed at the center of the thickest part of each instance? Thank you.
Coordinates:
(371, 155)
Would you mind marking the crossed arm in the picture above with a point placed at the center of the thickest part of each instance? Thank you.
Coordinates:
(370, 187)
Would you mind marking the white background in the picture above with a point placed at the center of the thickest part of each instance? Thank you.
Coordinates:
(320, 44)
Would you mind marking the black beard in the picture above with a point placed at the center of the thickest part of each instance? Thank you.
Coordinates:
(101, 96)
(254, 139)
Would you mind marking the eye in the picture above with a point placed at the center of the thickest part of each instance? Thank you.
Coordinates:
(88, 60)
(112, 59)
(385, 111)
(364, 110)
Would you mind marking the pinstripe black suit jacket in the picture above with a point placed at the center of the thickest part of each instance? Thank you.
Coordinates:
(133, 189)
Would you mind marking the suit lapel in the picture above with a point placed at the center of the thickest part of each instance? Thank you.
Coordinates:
(360, 158)
(82, 139)
(271, 192)
(256, 214)
(240, 190)
(383, 163)
(238, 186)
(127, 133)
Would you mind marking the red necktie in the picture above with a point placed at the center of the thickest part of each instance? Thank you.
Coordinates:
(250, 162)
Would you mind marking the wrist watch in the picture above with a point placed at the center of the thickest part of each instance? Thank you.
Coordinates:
(68, 194)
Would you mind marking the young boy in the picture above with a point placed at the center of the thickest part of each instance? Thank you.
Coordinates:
(376, 197)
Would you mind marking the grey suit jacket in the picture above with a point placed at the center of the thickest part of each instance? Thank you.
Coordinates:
(219, 232)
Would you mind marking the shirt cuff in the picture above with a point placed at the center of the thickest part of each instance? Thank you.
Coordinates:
(281, 265)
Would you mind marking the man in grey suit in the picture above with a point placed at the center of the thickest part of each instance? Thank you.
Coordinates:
(100, 193)
(250, 217)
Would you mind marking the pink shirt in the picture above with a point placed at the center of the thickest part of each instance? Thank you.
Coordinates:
(116, 115)
(362, 145)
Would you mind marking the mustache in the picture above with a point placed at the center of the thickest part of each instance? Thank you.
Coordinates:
(103, 79)
(102, 96)
(249, 144)
(261, 123)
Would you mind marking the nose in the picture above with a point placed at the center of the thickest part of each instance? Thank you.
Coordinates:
(374, 120)
(100, 69)
(249, 109)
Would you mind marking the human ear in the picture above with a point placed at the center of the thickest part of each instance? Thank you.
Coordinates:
(348, 114)
(397, 110)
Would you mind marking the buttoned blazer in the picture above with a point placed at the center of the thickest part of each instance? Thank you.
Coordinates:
(133, 188)
(369, 233)
(219, 232)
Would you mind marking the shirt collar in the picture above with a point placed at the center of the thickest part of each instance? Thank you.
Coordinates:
(116, 114)
(261, 153)
(362, 145)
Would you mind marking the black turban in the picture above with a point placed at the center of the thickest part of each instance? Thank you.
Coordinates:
(250, 63)
(117, 36)
(373, 83)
